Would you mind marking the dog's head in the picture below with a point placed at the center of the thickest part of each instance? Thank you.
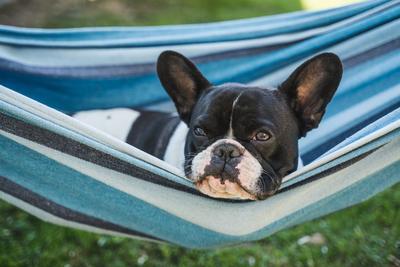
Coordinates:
(243, 139)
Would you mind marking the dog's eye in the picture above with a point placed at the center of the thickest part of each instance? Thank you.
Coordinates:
(262, 136)
(198, 131)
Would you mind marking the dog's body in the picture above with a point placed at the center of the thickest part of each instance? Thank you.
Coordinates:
(158, 133)
(232, 140)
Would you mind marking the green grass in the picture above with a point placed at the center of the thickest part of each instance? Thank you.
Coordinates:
(78, 13)
(364, 235)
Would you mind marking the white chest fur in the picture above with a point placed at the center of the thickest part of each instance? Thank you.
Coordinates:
(175, 152)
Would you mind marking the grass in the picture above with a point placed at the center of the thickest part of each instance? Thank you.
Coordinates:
(365, 235)
(79, 13)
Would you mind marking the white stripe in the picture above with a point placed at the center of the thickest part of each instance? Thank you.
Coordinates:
(69, 123)
(340, 152)
(116, 122)
(216, 215)
(230, 130)
(48, 217)
(334, 124)
(59, 118)
(175, 152)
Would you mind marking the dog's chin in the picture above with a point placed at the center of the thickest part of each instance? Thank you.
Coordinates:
(214, 187)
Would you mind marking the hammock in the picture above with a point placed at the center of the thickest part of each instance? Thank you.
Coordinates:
(71, 174)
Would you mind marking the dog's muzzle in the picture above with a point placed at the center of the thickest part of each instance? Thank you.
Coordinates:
(227, 170)
(224, 161)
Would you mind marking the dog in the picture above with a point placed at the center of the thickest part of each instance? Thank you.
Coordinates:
(232, 140)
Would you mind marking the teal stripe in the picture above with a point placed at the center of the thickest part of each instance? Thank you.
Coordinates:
(354, 194)
(249, 69)
(355, 153)
(59, 129)
(81, 193)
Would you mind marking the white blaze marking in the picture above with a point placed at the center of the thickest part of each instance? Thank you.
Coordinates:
(175, 152)
(300, 163)
(230, 130)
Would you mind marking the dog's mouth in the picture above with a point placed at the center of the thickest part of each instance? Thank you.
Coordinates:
(236, 177)
(221, 186)
(216, 187)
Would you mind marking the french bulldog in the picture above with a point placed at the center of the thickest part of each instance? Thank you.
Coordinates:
(232, 140)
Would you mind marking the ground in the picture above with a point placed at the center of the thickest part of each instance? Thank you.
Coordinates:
(364, 235)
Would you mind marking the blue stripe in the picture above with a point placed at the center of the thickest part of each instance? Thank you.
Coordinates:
(249, 69)
(352, 131)
(59, 184)
(379, 124)
(356, 193)
(67, 93)
(59, 129)
(81, 193)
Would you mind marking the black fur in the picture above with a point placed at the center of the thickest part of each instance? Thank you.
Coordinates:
(311, 87)
(152, 131)
(186, 77)
(286, 114)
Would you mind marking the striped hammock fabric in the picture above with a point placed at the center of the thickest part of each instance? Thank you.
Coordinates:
(68, 173)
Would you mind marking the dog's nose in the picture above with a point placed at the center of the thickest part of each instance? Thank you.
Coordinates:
(227, 151)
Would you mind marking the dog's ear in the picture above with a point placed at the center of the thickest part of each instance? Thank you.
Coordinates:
(311, 87)
(182, 81)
